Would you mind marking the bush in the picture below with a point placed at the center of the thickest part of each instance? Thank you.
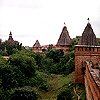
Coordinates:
(24, 63)
(24, 93)
(65, 95)
(39, 80)
(55, 55)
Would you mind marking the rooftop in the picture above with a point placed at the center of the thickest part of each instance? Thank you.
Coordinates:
(37, 44)
(88, 36)
(64, 38)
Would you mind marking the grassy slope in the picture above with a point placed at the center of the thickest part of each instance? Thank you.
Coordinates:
(57, 83)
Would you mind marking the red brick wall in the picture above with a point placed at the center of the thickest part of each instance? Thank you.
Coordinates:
(82, 54)
(92, 89)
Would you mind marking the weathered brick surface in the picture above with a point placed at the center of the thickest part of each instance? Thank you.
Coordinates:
(92, 89)
(82, 72)
(88, 90)
(83, 54)
(88, 51)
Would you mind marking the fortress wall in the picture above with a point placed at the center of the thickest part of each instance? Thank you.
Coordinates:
(92, 84)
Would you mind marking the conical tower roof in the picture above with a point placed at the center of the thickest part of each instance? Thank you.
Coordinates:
(64, 38)
(88, 36)
(37, 44)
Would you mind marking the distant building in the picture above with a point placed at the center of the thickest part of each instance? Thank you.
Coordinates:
(37, 47)
(10, 45)
(11, 40)
(64, 39)
(64, 43)
(10, 37)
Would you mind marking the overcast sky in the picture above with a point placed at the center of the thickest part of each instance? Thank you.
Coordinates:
(29, 20)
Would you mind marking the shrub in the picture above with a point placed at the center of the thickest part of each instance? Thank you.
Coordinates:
(25, 93)
(39, 80)
(65, 95)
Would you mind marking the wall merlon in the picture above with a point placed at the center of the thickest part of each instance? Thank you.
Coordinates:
(87, 49)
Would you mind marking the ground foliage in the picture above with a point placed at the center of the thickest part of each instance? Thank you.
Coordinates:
(26, 68)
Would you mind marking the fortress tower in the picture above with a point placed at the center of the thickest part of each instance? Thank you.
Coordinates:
(87, 50)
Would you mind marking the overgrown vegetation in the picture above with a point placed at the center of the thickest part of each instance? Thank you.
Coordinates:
(55, 62)
(31, 75)
(7, 48)
(72, 92)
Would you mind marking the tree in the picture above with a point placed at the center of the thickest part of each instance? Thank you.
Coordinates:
(20, 71)
(74, 42)
(7, 80)
(55, 55)
(24, 63)
(10, 47)
(39, 60)
(65, 95)
(69, 65)
(40, 81)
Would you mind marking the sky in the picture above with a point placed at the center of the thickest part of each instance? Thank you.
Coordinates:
(43, 20)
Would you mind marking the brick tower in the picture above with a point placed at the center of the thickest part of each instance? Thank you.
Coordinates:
(87, 50)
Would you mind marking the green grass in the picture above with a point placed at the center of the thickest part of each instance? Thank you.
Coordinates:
(80, 89)
(56, 82)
